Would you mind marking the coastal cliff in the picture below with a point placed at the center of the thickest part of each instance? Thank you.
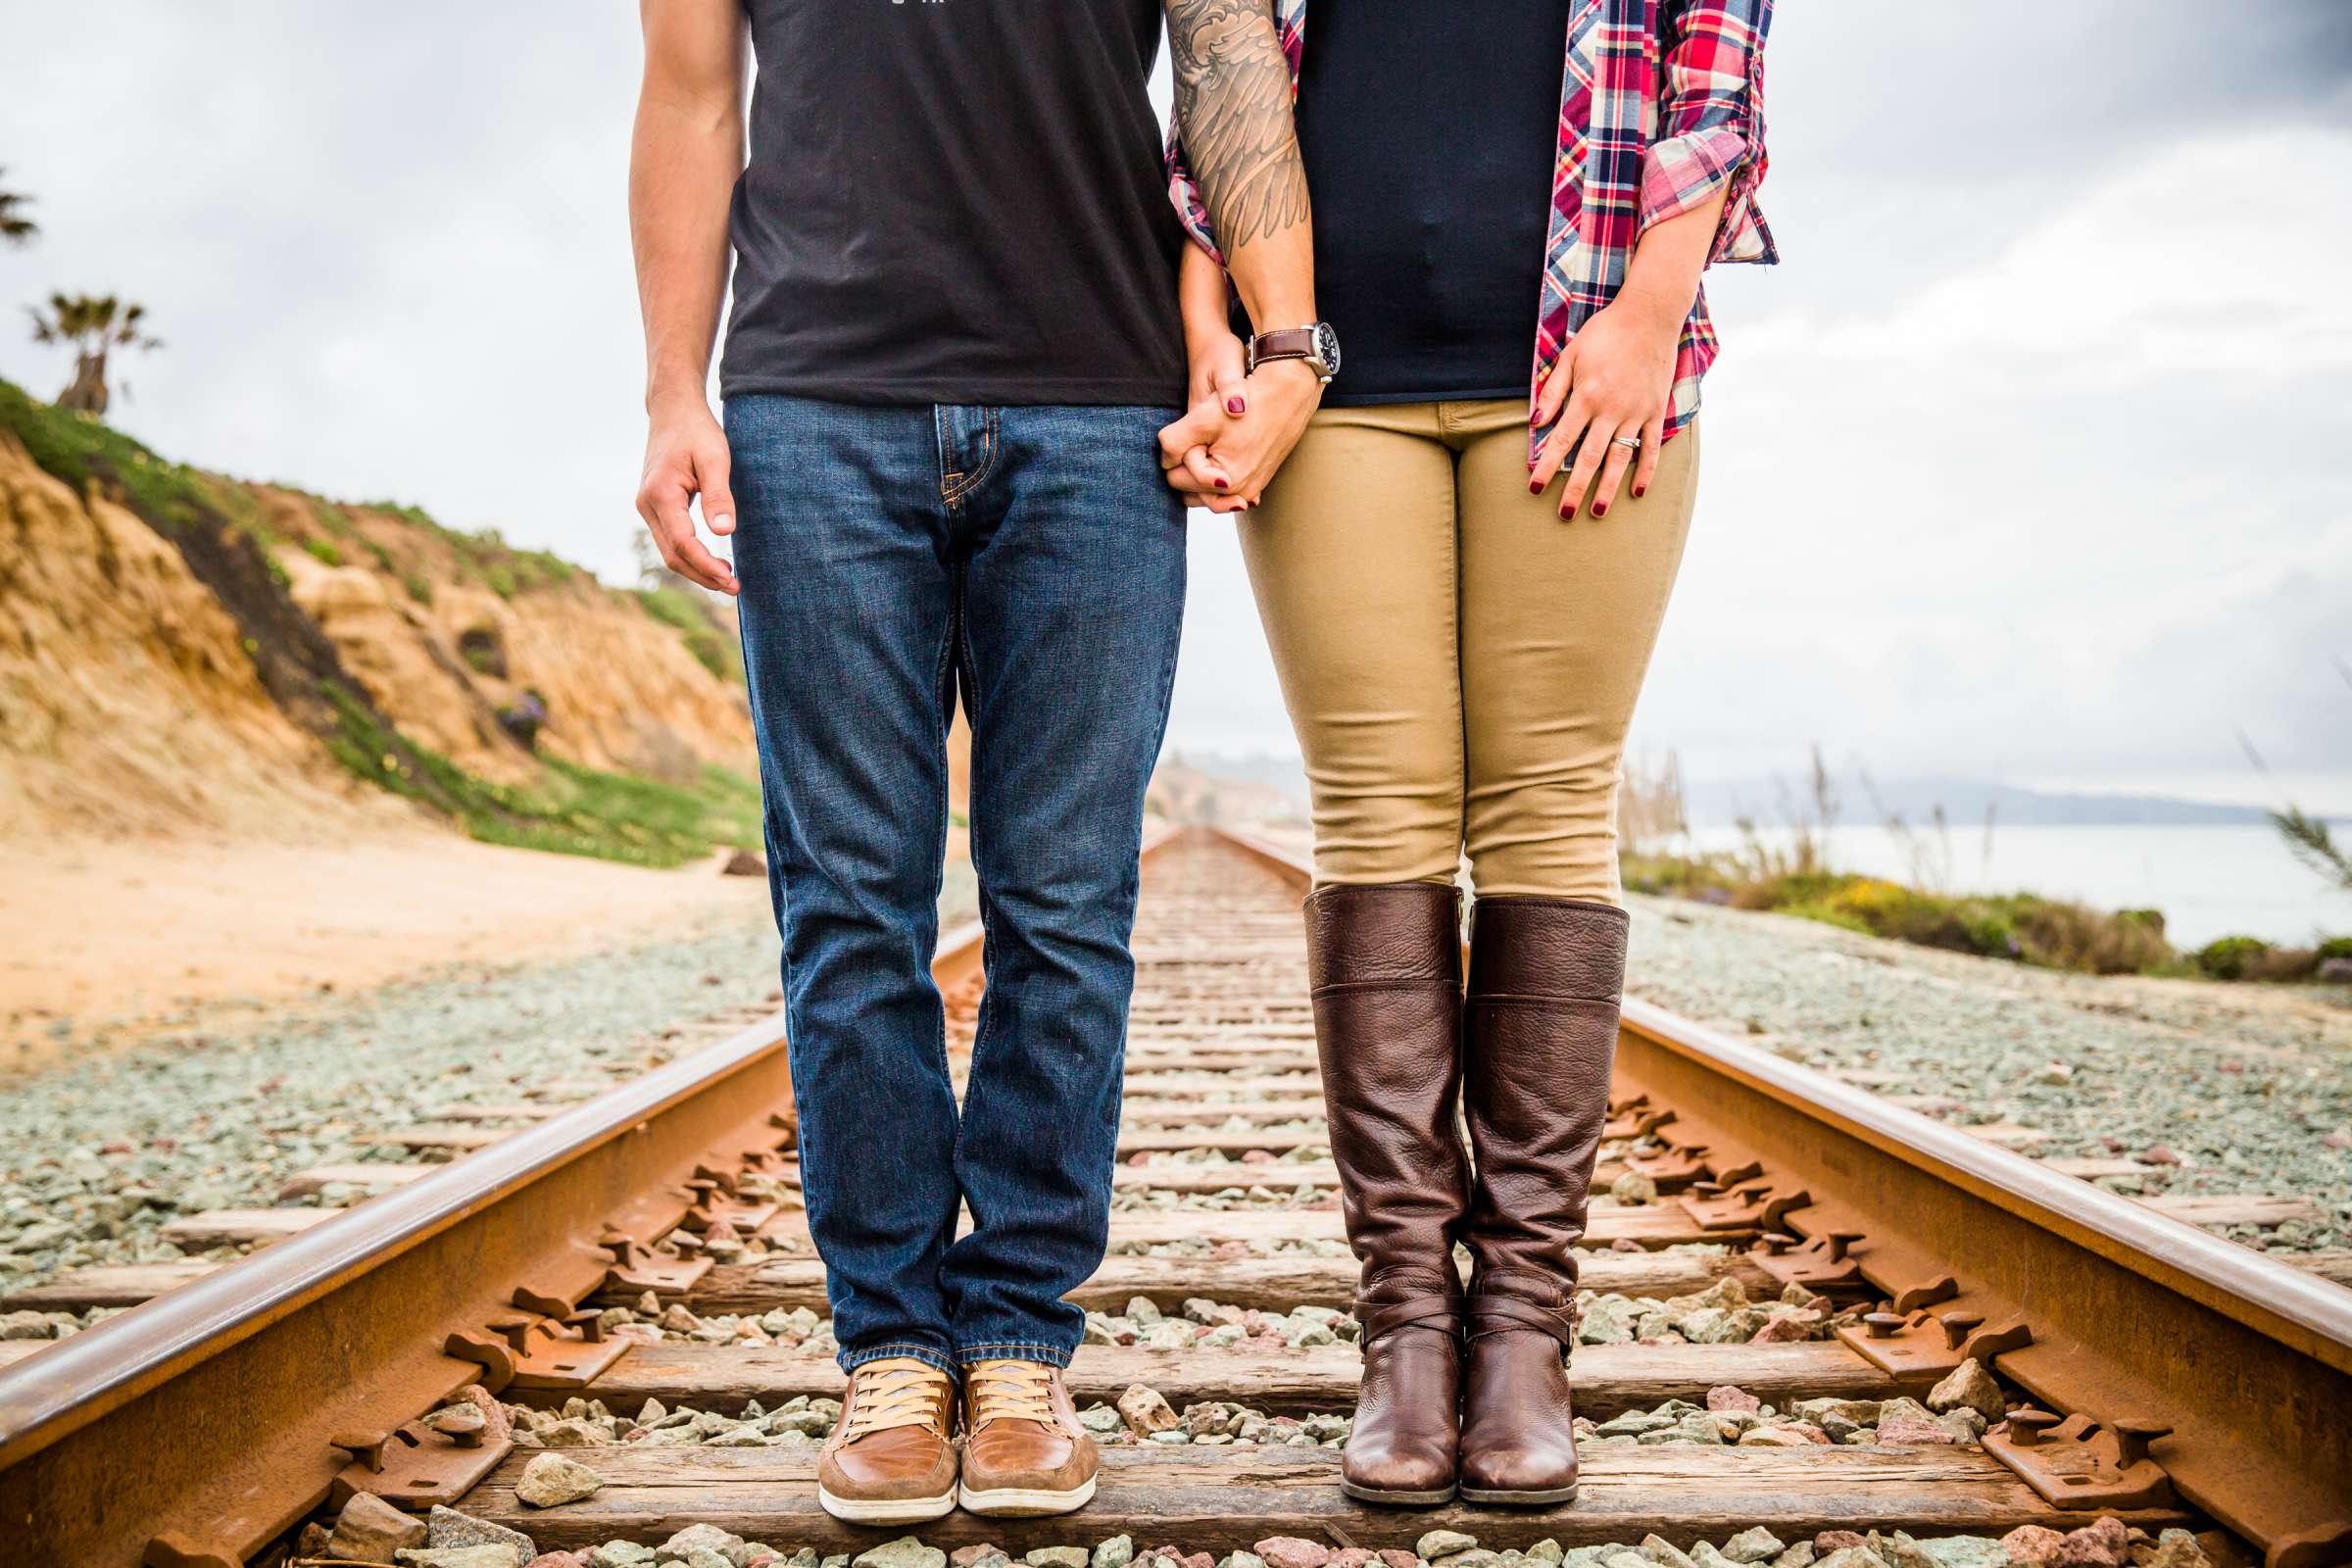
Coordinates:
(181, 652)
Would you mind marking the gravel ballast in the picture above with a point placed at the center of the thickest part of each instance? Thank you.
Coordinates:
(2218, 1089)
(101, 1151)
(2221, 1088)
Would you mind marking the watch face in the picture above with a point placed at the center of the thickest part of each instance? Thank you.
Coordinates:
(1326, 348)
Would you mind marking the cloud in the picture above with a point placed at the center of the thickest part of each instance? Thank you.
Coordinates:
(2027, 459)
(2157, 271)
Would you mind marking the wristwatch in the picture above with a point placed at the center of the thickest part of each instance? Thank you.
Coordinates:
(1318, 345)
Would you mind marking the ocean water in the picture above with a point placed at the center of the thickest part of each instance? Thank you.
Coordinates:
(2210, 881)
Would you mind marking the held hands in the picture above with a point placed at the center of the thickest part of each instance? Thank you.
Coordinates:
(686, 456)
(1612, 387)
(1239, 428)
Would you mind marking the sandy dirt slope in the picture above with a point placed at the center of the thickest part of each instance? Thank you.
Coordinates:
(124, 938)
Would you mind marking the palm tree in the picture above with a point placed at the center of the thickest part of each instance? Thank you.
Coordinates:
(15, 228)
(94, 327)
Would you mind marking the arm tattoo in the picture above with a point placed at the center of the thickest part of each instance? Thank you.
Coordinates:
(1233, 102)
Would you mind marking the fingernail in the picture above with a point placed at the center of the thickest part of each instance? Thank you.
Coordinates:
(1601, 508)
(1235, 404)
(1639, 490)
(723, 521)
(1567, 512)
(1535, 487)
(1221, 485)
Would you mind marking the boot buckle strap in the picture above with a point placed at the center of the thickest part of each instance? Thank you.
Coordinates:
(1501, 1314)
(1432, 1311)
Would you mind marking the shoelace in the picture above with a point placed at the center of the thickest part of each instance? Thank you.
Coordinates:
(896, 1391)
(1011, 1390)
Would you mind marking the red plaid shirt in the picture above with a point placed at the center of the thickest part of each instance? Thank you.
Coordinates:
(1661, 105)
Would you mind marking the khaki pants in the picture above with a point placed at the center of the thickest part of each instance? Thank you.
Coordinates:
(1459, 664)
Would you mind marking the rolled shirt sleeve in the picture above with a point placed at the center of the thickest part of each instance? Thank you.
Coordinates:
(1711, 123)
(1185, 195)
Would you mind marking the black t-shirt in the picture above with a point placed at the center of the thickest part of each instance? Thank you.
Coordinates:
(955, 200)
(1429, 134)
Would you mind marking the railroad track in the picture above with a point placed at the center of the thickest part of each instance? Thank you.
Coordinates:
(2201, 1384)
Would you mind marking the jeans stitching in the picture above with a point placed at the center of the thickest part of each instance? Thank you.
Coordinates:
(954, 487)
(930, 1355)
(997, 1350)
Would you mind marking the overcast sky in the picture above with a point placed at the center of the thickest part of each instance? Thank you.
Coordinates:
(2030, 462)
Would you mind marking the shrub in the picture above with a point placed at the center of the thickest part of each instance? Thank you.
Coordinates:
(2049, 933)
(484, 651)
(2228, 957)
(2068, 936)
(2285, 964)
(324, 550)
(521, 720)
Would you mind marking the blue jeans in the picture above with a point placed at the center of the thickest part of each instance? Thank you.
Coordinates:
(1033, 559)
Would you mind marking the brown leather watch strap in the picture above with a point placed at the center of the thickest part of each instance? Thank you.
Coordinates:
(1291, 343)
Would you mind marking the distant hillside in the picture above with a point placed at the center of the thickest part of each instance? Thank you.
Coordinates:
(187, 651)
(1962, 800)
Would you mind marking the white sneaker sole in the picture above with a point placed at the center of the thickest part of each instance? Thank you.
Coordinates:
(887, 1510)
(1026, 1503)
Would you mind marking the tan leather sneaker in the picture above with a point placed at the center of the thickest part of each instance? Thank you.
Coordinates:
(1024, 1452)
(892, 1458)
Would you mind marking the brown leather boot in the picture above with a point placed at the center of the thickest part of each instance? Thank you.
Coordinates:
(892, 1458)
(1024, 1452)
(1546, 980)
(1386, 968)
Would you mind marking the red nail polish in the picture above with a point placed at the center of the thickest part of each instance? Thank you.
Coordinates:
(1601, 508)
(1639, 490)
(1567, 512)
(1535, 487)
(1234, 405)
(1221, 485)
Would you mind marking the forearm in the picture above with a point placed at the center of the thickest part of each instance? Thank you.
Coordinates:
(1202, 296)
(685, 155)
(1662, 278)
(1233, 105)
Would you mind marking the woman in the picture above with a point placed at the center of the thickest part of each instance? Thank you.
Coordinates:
(1462, 637)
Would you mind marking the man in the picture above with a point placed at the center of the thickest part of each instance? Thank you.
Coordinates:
(952, 343)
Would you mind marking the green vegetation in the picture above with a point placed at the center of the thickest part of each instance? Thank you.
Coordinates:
(483, 650)
(337, 522)
(222, 528)
(578, 810)
(80, 450)
(2252, 959)
(2047, 933)
(712, 647)
(1791, 874)
(485, 557)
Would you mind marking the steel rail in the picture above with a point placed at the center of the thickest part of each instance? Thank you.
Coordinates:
(197, 1427)
(2134, 1316)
